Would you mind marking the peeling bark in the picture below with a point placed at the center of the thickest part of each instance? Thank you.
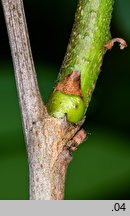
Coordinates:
(50, 156)
(109, 44)
(70, 84)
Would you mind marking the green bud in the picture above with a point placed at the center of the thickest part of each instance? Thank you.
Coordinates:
(61, 104)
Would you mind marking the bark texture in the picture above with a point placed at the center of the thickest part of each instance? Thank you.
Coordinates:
(48, 140)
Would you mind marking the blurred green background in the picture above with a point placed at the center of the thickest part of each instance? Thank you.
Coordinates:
(101, 166)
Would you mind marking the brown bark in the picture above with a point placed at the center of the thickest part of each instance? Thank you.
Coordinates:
(70, 84)
(48, 140)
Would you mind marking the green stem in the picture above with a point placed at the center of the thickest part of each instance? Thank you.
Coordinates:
(85, 52)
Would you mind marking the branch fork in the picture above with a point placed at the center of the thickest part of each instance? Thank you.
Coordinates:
(50, 139)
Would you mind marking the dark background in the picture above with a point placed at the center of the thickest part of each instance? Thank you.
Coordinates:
(101, 165)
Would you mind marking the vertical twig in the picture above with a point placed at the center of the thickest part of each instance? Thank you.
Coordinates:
(46, 137)
(28, 92)
(31, 105)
